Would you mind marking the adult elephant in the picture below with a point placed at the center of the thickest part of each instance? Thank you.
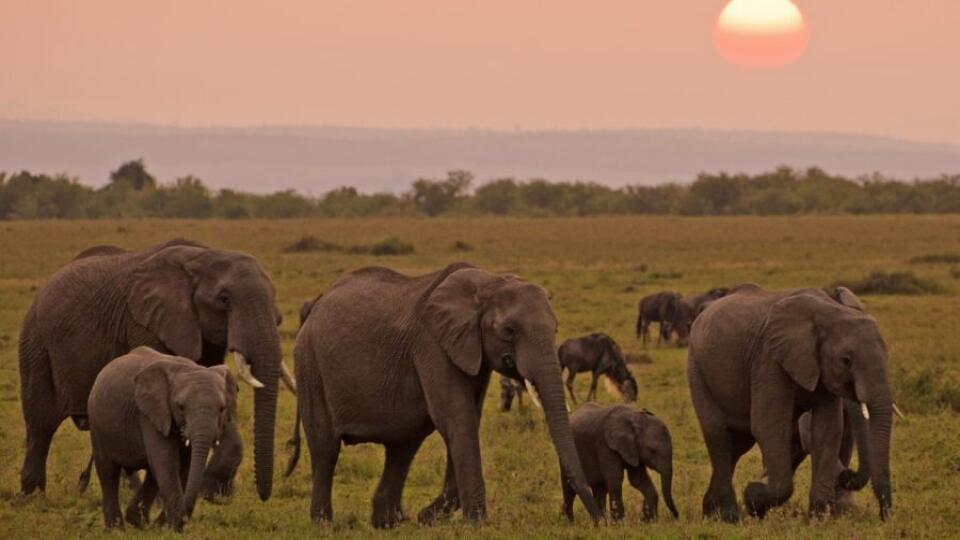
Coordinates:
(388, 358)
(180, 298)
(759, 359)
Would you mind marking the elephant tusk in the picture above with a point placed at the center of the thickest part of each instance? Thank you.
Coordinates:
(534, 396)
(898, 412)
(243, 370)
(288, 378)
(864, 411)
(186, 443)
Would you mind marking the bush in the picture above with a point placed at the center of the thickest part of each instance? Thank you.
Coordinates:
(891, 283)
(311, 243)
(937, 258)
(461, 246)
(391, 246)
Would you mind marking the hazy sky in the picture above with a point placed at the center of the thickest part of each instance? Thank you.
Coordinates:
(889, 67)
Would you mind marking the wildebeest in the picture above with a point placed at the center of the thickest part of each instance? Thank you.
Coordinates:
(668, 309)
(599, 354)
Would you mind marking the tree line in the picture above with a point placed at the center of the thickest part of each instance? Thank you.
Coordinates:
(133, 192)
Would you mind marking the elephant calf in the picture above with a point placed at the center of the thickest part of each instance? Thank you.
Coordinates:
(161, 413)
(611, 440)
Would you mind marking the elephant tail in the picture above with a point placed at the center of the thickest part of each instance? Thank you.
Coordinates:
(294, 442)
(84, 480)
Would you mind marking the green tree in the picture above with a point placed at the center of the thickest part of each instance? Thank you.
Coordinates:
(133, 173)
(435, 197)
(498, 197)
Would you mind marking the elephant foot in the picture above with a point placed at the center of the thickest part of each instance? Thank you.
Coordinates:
(823, 508)
(388, 518)
(217, 493)
(441, 507)
(728, 513)
(136, 517)
(756, 499)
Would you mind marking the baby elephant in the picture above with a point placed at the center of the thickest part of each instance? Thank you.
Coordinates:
(161, 413)
(611, 440)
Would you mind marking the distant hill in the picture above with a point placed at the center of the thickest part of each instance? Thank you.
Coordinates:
(313, 160)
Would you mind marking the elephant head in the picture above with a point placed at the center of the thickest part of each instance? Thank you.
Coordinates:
(643, 440)
(818, 341)
(506, 324)
(202, 303)
(196, 401)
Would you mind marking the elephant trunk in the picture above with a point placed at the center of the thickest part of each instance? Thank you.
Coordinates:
(861, 433)
(881, 419)
(266, 368)
(666, 487)
(199, 450)
(253, 332)
(546, 379)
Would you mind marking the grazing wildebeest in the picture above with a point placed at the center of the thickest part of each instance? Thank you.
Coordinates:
(699, 302)
(599, 354)
(668, 309)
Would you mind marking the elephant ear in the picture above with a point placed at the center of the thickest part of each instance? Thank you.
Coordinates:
(151, 393)
(846, 297)
(791, 338)
(230, 389)
(452, 315)
(620, 437)
(161, 299)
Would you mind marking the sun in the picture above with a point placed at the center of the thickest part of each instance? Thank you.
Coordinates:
(761, 34)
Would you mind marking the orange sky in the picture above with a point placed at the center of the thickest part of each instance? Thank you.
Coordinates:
(888, 67)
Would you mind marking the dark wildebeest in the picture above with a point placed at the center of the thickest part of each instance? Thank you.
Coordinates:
(600, 355)
(510, 388)
(668, 309)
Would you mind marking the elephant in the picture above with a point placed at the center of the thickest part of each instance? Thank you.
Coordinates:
(599, 354)
(699, 302)
(758, 360)
(611, 440)
(162, 413)
(181, 298)
(388, 358)
(667, 308)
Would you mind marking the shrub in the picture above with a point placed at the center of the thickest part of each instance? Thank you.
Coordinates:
(391, 246)
(311, 243)
(891, 283)
(937, 258)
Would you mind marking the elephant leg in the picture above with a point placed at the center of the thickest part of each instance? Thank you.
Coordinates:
(387, 500)
(164, 463)
(447, 502)
(324, 446)
(775, 447)
(109, 475)
(569, 384)
(826, 435)
(569, 495)
(724, 448)
(461, 435)
(640, 479)
(40, 431)
(599, 492)
(138, 511)
(613, 481)
(593, 387)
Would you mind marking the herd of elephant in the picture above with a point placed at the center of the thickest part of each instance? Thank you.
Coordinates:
(130, 345)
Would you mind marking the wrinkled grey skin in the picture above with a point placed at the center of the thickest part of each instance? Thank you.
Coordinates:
(600, 355)
(510, 388)
(180, 298)
(668, 309)
(387, 358)
(294, 441)
(611, 440)
(160, 413)
(758, 360)
(699, 302)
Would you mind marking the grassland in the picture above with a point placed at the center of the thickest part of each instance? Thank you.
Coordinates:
(596, 269)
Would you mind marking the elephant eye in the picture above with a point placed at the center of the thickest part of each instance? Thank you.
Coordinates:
(508, 331)
(846, 361)
(224, 298)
